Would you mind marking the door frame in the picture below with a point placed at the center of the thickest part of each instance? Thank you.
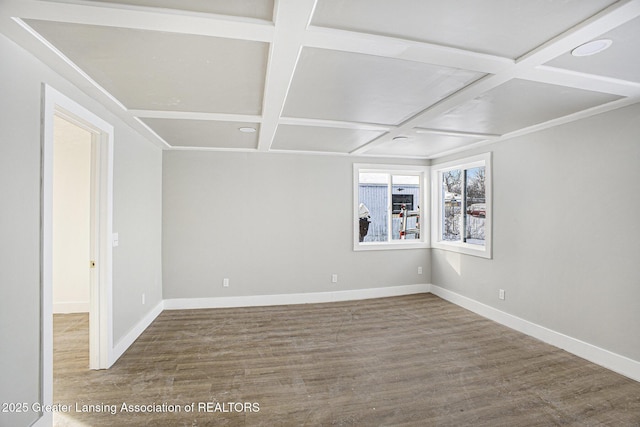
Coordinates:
(54, 103)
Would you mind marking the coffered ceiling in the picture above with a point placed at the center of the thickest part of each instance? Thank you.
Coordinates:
(401, 78)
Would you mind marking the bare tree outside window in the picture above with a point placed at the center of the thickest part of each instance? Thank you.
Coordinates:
(451, 204)
(475, 206)
(462, 206)
(464, 192)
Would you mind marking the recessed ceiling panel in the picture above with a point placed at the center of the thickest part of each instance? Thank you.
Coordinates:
(260, 9)
(353, 87)
(425, 145)
(500, 27)
(621, 60)
(514, 105)
(331, 85)
(154, 70)
(204, 133)
(323, 139)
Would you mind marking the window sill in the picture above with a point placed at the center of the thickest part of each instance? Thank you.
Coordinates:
(464, 248)
(387, 246)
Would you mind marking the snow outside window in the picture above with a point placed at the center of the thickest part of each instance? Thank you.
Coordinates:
(461, 206)
(389, 207)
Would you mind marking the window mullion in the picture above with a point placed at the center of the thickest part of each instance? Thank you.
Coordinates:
(396, 185)
(469, 210)
(441, 204)
(389, 208)
(463, 207)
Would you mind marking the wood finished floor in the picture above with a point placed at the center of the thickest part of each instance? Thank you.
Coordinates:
(403, 361)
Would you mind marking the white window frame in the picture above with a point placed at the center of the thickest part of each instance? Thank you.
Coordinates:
(484, 251)
(423, 173)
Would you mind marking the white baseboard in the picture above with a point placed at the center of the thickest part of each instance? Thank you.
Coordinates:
(71, 307)
(615, 362)
(133, 334)
(285, 299)
(46, 420)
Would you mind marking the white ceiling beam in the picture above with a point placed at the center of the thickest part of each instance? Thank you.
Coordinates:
(389, 47)
(165, 144)
(579, 115)
(188, 115)
(578, 80)
(454, 133)
(22, 34)
(142, 18)
(70, 64)
(608, 19)
(291, 21)
(468, 93)
(589, 112)
(292, 31)
(295, 121)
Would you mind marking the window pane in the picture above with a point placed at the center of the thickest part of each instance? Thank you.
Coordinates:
(451, 204)
(373, 189)
(475, 203)
(405, 193)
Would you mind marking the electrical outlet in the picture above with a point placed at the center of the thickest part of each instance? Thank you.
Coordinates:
(143, 299)
(334, 278)
(501, 294)
(419, 270)
(225, 282)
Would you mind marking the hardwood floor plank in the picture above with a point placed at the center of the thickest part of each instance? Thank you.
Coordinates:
(414, 360)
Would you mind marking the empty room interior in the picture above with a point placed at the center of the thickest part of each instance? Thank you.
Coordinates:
(320, 212)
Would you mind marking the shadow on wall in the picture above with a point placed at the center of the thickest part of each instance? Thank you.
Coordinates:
(454, 259)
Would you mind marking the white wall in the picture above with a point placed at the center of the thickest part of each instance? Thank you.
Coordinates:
(71, 217)
(565, 232)
(271, 223)
(136, 216)
(20, 231)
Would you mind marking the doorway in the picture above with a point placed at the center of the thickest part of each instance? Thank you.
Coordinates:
(58, 108)
(74, 241)
(73, 235)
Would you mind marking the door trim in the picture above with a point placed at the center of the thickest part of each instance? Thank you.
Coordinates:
(101, 324)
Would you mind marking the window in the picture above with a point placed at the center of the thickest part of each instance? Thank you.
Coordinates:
(389, 207)
(461, 206)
